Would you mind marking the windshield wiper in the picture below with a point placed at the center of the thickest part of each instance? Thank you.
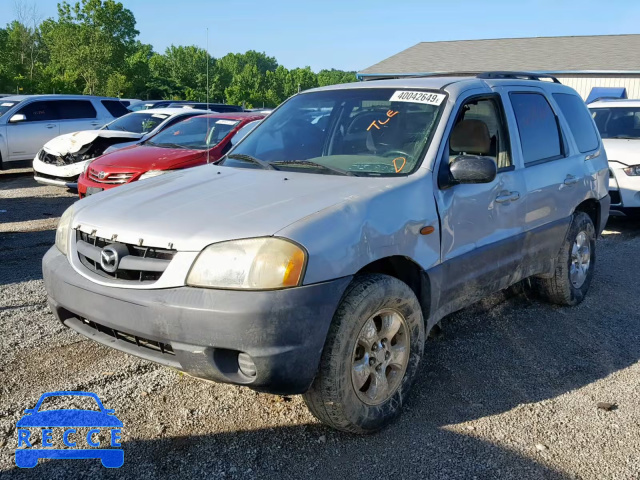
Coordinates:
(249, 158)
(336, 170)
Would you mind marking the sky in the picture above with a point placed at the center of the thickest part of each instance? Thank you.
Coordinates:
(354, 34)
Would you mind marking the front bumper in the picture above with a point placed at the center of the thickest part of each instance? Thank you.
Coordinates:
(202, 331)
(625, 189)
(58, 175)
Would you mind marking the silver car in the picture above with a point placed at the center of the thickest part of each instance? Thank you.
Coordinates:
(27, 122)
(319, 253)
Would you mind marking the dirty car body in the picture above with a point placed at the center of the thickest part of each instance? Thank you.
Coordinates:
(429, 183)
(61, 160)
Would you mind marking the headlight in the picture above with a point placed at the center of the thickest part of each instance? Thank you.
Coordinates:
(62, 232)
(86, 169)
(633, 170)
(153, 173)
(251, 264)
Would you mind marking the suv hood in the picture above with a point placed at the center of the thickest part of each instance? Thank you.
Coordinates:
(145, 157)
(196, 207)
(622, 150)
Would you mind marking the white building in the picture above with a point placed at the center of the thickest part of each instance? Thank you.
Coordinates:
(580, 62)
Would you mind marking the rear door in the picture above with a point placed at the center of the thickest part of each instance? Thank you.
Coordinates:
(76, 115)
(481, 235)
(26, 138)
(553, 172)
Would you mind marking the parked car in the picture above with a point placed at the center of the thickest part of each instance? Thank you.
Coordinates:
(148, 104)
(128, 101)
(63, 159)
(316, 260)
(215, 107)
(29, 121)
(618, 122)
(195, 141)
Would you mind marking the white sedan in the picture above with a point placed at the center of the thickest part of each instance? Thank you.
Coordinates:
(619, 124)
(61, 161)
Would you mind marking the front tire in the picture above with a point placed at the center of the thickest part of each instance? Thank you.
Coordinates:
(371, 356)
(574, 265)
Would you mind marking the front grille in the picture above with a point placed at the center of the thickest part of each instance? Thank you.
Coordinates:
(141, 264)
(158, 347)
(111, 178)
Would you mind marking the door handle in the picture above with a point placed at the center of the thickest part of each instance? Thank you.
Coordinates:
(507, 197)
(571, 180)
(51, 125)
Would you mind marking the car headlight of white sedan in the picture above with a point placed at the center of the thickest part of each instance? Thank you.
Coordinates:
(632, 171)
(62, 232)
(251, 264)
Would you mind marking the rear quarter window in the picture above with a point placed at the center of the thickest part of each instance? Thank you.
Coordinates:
(537, 126)
(115, 108)
(580, 123)
(75, 109)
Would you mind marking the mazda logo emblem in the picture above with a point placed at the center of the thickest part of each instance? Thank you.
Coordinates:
(109, 259)
(102, 175)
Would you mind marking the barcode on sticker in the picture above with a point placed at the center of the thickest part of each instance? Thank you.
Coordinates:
(417, 97)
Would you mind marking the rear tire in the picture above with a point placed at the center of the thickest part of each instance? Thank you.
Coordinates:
(574, 265)
(371, 356)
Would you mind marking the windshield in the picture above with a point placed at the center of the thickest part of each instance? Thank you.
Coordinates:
(617, 122)
(196, 132)
(369, 131)
(6, 106)
(137, 122)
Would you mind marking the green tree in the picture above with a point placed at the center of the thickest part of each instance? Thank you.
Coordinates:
(89, 42)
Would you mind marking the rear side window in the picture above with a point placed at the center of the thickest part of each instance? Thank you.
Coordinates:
(538, 127)
(579, 120)
(40, 111)
(74, 109)
(115, 108)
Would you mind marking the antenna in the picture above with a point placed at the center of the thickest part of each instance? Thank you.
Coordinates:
(207, 58)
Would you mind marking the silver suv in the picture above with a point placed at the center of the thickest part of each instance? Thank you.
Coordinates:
(27, 122)
(316, 257)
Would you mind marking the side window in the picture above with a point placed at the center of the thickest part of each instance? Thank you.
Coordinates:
(40, 111)
(75, 109)
(115, 108)
(242, 132)
(538, 127)
(480, 129)
(580, 123)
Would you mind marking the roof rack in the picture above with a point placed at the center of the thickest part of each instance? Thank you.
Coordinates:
(518, 75)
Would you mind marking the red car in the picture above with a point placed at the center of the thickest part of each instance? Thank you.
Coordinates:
(182, 145)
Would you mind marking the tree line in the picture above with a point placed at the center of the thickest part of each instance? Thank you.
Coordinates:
(93, 48)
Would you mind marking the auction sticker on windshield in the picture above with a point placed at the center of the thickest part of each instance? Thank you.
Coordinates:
(417, 97)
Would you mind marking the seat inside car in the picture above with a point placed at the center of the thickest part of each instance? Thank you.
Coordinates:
(471, 137)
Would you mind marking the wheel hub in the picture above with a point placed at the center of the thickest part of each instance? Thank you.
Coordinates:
(380, 357)
(580, 260)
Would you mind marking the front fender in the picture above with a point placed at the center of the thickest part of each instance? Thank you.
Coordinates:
(384, 222)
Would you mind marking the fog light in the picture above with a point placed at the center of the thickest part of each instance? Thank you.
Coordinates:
(246, 365)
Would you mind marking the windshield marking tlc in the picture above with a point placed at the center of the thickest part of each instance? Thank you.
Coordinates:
(390, 114)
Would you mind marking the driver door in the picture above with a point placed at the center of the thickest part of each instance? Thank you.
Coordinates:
(482, 224)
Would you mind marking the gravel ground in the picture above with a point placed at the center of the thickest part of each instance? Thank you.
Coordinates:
(508, 391)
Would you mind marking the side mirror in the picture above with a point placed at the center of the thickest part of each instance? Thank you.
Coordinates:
(18, 117)
(28, 411)
(473, 169)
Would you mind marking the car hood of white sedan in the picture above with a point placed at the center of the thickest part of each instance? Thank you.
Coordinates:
(622, 150)
(193, 208)
(74, 142)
